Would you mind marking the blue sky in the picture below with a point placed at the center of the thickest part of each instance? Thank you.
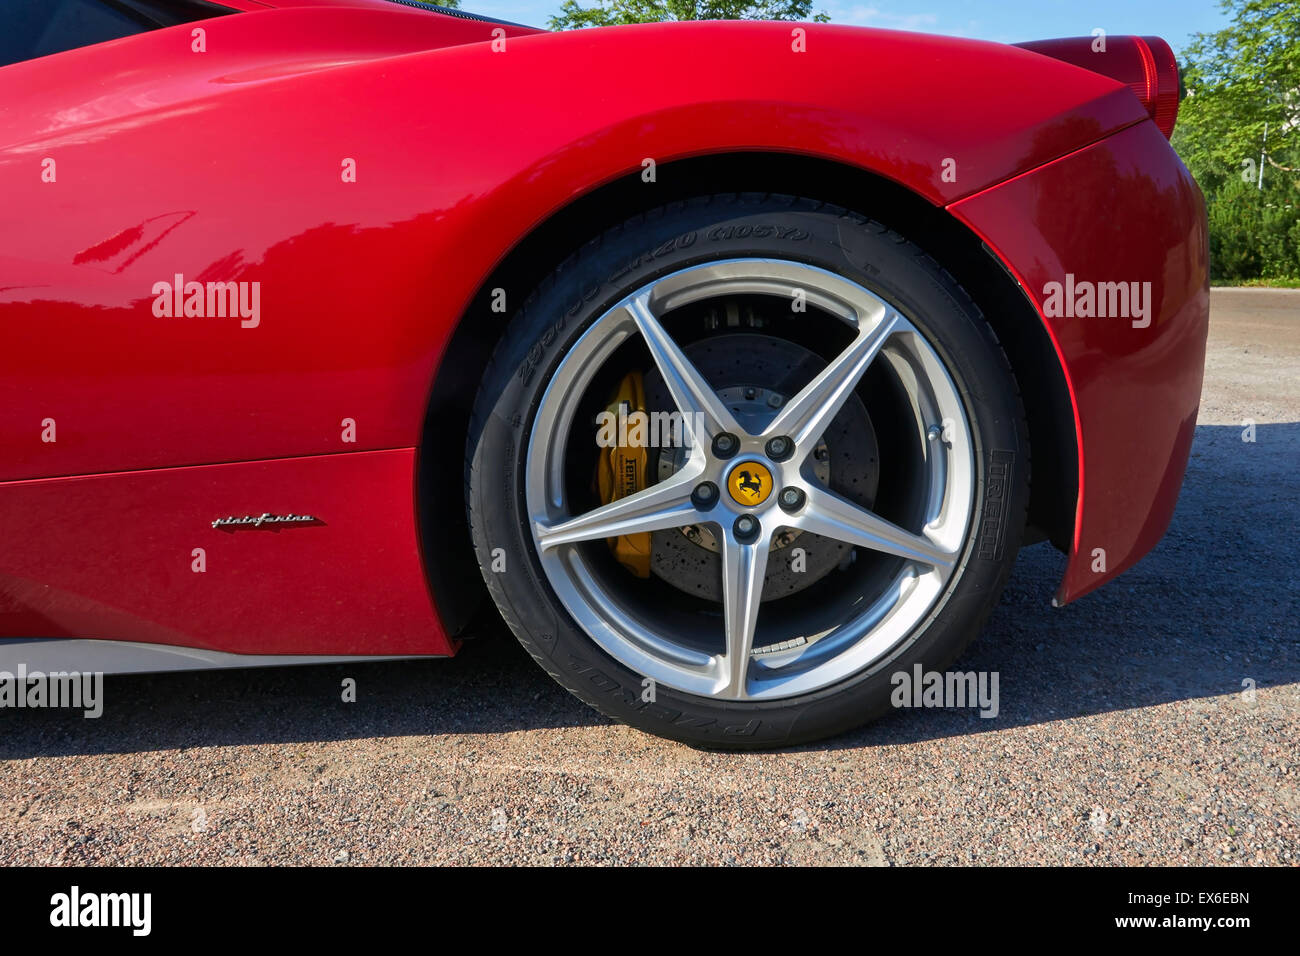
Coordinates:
(1005, 21)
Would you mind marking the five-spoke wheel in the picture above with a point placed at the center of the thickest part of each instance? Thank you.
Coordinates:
(778, 455)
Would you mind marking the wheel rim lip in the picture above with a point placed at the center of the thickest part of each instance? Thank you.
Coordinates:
(870, 634)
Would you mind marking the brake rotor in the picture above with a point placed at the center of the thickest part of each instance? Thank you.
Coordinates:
(755, 375)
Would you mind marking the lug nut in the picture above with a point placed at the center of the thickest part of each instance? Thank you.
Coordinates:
(791, 499)
(780, 448)
(725, 445)
(704, 495)
(746, 528)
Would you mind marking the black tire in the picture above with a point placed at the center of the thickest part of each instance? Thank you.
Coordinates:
(646, 247)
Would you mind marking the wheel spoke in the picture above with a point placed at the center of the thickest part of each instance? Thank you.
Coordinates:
(695, 398)
(807, 416)
(743, 570)
(665, 505)
(831, 516)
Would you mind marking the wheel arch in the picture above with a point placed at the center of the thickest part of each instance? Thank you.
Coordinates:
(454, 579)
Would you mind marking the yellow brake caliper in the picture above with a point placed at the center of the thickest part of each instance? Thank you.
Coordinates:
(621, 472)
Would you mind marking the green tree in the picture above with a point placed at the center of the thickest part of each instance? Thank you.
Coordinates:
(1238, 80)
(610, 12)
(1254, 233)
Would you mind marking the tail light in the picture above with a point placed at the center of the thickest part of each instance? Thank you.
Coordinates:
(1145, 64)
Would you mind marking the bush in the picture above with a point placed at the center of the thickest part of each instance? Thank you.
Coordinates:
(1254, 233)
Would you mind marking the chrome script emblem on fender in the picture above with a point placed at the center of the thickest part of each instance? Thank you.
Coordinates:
(266, 520)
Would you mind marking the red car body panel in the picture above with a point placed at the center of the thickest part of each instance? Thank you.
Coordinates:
(1125, 209)
(225, 166)
(117, 557)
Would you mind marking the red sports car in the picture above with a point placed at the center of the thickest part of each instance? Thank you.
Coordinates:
(733, 361)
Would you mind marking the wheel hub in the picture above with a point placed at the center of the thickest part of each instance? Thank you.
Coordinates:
(755, 375)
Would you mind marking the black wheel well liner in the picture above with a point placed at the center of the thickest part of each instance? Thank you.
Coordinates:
(444, 534)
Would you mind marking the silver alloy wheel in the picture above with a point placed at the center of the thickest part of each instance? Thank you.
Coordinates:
(928, 556)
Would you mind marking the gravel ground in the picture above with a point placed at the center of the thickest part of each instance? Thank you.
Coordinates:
(1124, 734)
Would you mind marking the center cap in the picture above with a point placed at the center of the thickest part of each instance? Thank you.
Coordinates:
(750, 483)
